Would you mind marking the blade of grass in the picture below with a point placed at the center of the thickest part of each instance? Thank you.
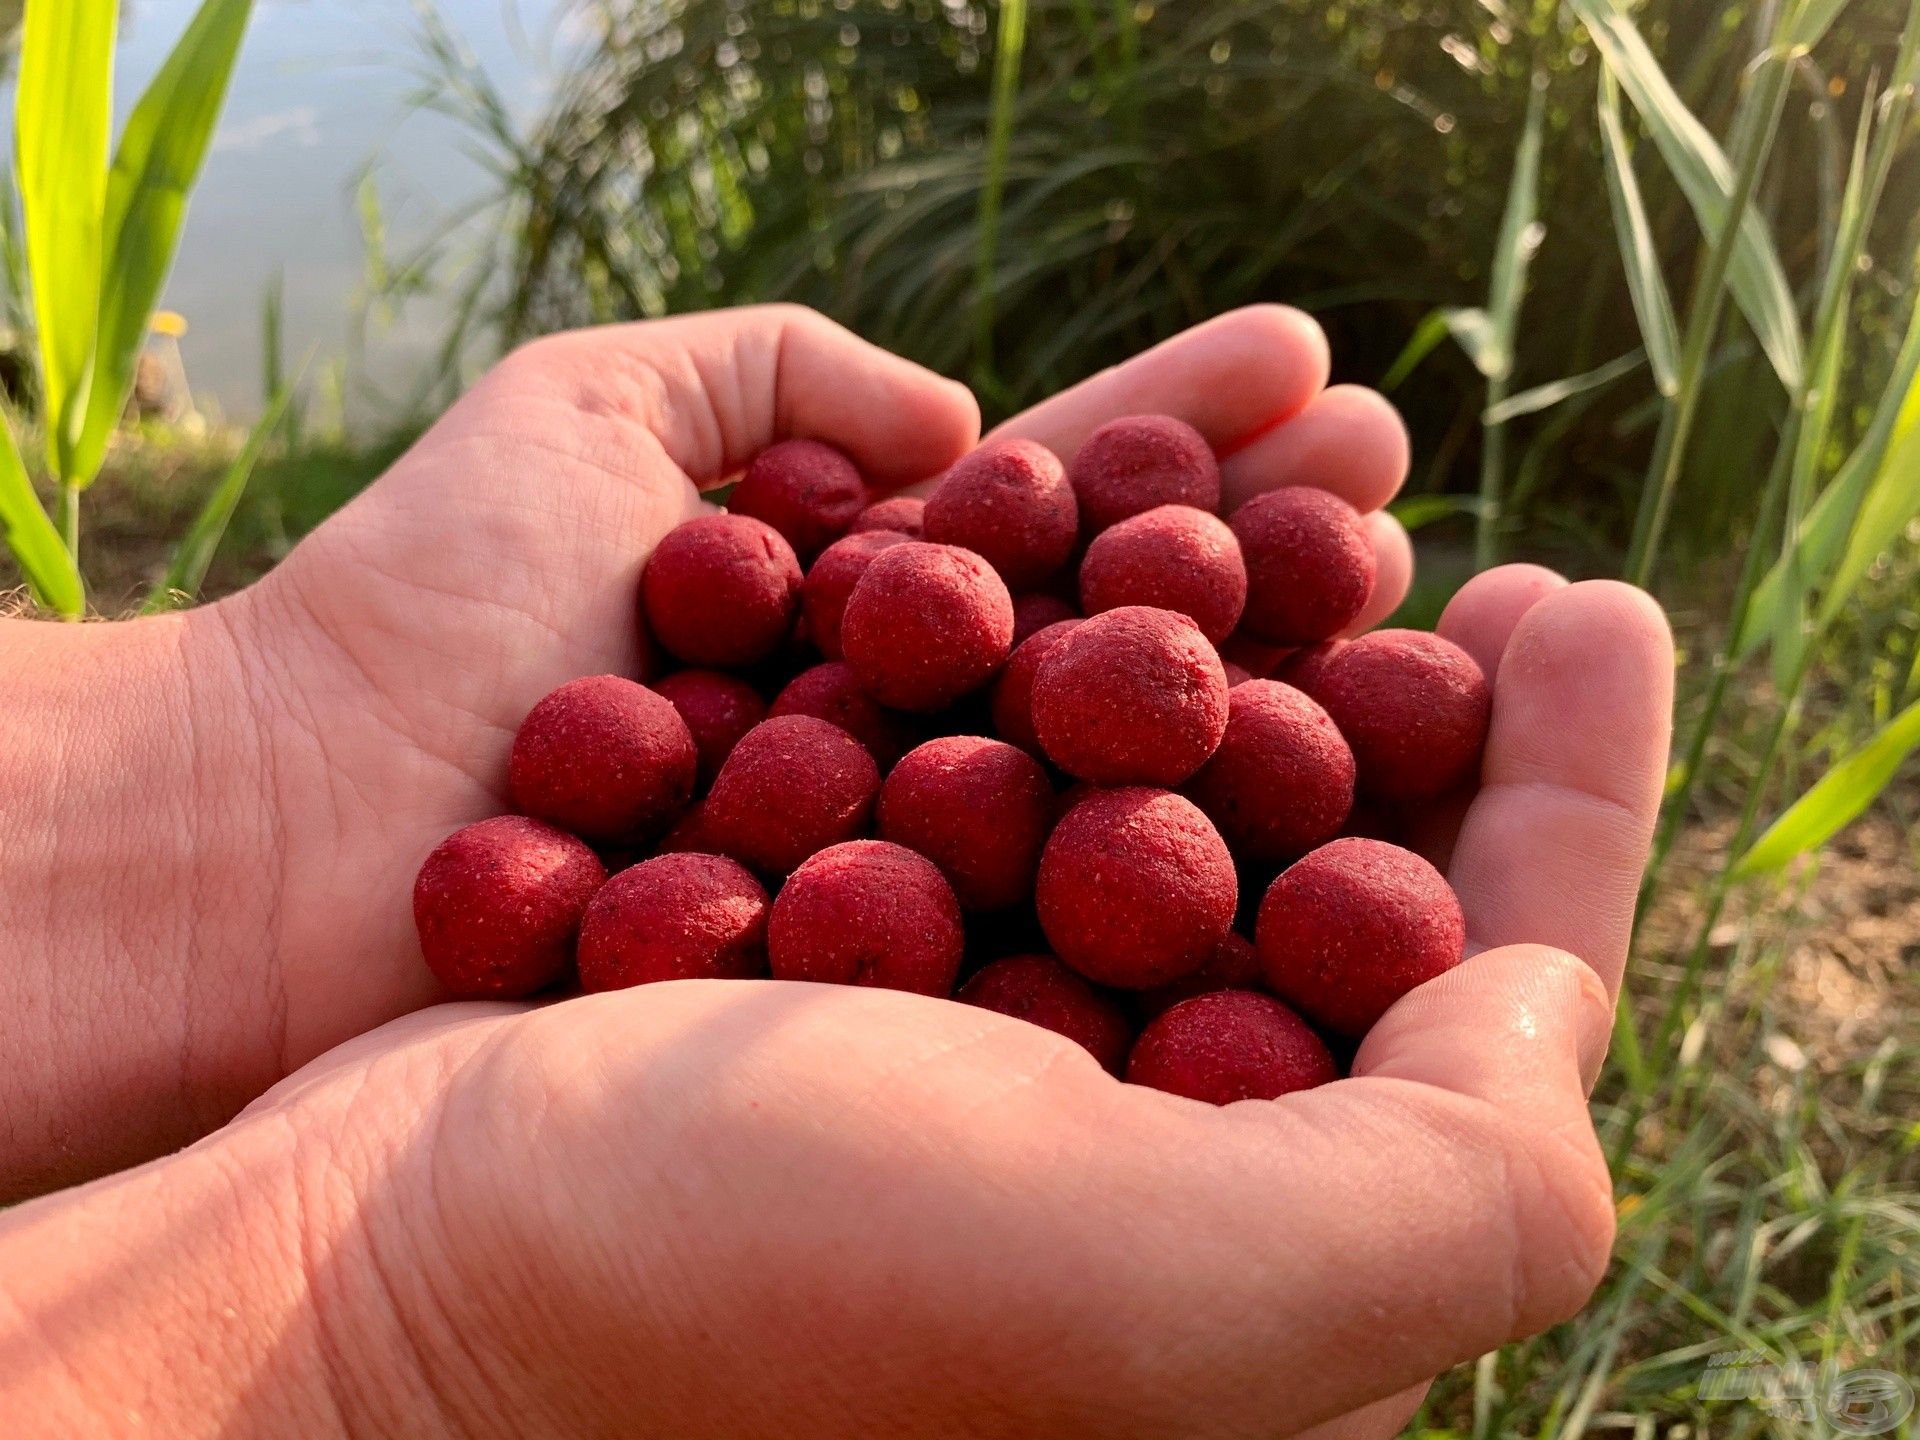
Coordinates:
(1711, 183)
(63, 117)
(1471, 328)
(1768, 96)
(1892, 500)
(1836, 800)
(1818, 397)
(1010, 41)
(43, 557)
(1555, 392)
(1646, 284)
(1520, 235)
(161, 152)
(1828, 530)
(192, 557)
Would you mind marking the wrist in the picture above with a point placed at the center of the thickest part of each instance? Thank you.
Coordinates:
(174, 1298)
(135, 918)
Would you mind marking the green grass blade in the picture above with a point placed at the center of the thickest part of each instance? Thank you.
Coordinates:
(1425, 339)
(1416, 512)
(1892, 500)
(1646, 284)
(1554, 392)
(1519, 241)
(1814, 19)
(63, 120)
(161, 151)
(1520, 236)
(31, 536)
(1828, 529)
(192, 557)
(1009, 43)
(1840, 797)
(1706, 177)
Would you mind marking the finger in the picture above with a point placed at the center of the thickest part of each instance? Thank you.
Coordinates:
(1382, 1420)
(1483, 615)
(717, 389)
(1355, 1240)
(1552, 849)
(1231, 379)
(1393, 572)
(1480, 619)
(1348, 440)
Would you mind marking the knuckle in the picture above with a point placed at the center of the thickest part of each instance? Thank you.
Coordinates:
(1565, 1223)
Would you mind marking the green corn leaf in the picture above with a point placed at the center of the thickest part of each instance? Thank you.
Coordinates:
(63, 121)
(1519, 240)
(161, 151)
(1840, 797)
(1545, 397)
(1705, 176)
(194, 555)
(31, 536)
(1646, 283)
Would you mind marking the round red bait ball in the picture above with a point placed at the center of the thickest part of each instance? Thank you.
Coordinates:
(1013, 691)
(1347, 931)
(926, 625)
(904, 514)
(1310, 565)
(793, 785)
(1136, 888)
(807, 491)
(1172, 558)
(722, 590)
(606, 758)
(1299, 667)
(1227, 1046)
(830, 583)
(979, 809)
(867, 913)
(1043, 992)
(1234, 965)
(692, 835)
(498, 905)
(718, 709)
(832, 692)
(1035, 611)
(1282, 780)
(1414, 707)
(1138, 463)
(1009, 502)
(675, 917)
(1136, 696)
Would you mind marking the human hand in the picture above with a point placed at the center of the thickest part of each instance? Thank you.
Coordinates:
(735, 1208)
(316, 735)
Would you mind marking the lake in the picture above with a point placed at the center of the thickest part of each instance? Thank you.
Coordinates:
(321, 91)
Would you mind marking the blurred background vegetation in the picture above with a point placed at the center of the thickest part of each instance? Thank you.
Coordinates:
(1165, 162)
(1510, 213)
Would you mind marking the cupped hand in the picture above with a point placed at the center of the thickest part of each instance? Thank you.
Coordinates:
(723, 1208)
(386, 663)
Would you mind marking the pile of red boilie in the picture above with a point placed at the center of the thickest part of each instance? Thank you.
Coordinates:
(987, 747)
